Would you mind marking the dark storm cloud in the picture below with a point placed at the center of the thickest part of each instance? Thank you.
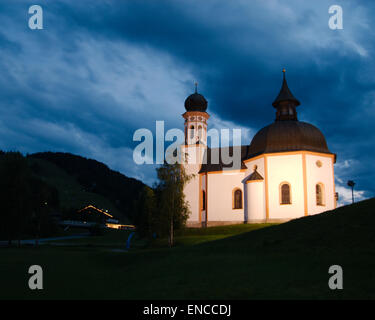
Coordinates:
(236, 51)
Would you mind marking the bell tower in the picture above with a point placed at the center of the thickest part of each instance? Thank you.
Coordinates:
(193, 151)
(196, 117)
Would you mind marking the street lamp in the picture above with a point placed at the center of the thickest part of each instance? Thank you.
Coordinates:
(351, 184)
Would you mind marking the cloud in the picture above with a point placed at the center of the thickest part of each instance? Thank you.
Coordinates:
(99, 70)
(227, 139)
(345, 195)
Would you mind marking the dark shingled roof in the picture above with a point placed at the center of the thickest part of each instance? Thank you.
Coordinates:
(212, 160)
(282, 136)
(285, 94)
(255, 176)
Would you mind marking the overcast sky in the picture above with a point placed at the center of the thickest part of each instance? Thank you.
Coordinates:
(99, 70)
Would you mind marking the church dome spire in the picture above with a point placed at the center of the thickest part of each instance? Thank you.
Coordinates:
(287, 133)
(285, 103)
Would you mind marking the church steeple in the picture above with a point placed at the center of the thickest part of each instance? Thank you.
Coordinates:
(285, 103)
(196, 118)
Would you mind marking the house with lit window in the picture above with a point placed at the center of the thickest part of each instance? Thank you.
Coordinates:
(286, 172)
(93, 214)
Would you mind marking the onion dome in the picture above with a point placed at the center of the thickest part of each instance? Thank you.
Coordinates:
(283, 136)
(196, 102)
(287, 133)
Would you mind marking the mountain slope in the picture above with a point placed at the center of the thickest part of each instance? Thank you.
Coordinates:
(71, 194)
(94, 179)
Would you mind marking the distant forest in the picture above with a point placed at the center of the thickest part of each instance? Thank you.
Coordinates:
(38, 189)
(96, 177)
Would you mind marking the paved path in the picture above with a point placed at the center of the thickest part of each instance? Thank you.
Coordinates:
(42, 240)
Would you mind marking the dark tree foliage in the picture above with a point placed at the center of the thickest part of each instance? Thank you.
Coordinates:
(172, 208)
(15, 195)
(44, 205)
(145, 220)
(68, 213)
(164, 209)
(26, 201)
(96, 177)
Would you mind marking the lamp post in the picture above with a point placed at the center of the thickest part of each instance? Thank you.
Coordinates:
(351, 184)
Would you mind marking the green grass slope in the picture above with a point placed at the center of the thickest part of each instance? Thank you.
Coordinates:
(98, 178)
(287, 261)
(71, 193)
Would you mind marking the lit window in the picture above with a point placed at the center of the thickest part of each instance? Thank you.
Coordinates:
(237, 199)
(191, 132)
(200, 132)
(285, 193)
(319, 194)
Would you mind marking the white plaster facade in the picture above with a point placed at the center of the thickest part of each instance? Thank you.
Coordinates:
(261, 199)
(274, 186)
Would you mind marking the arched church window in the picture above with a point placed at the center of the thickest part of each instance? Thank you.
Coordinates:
(191, 132)
(200, 132)
(203, 200)
(319, 189)
(285, 193)
(237, 199)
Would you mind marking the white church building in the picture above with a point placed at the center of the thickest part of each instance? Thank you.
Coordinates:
(286, 172)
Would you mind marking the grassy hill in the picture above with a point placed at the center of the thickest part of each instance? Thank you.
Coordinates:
(71, 193)
(286, 261)
(82, 181)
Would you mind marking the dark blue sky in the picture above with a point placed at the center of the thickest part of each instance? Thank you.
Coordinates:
(99, 70)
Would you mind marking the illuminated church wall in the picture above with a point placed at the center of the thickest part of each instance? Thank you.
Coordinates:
(220, 196)
(255, 206)
(194, 155)
(255, 210)
(320, 174)
(285, 169)
(289, 169)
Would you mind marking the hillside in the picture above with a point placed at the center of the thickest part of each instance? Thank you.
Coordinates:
(71, 194)
(286, 261)
(82, 181)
